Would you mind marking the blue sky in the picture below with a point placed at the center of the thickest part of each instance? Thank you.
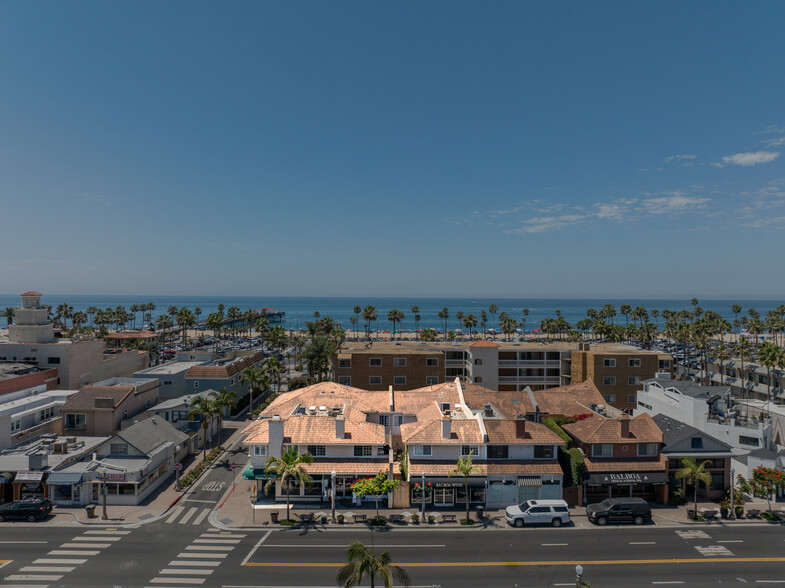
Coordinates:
(520, 149)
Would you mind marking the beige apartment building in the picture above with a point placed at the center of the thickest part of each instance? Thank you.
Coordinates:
(505, 366)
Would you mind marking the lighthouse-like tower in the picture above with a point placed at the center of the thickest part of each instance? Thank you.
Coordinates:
(31, 321)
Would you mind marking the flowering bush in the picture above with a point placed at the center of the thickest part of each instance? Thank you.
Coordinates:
(763, 483)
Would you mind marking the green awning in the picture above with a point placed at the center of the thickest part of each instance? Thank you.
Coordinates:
(251, 473)
(64, 478)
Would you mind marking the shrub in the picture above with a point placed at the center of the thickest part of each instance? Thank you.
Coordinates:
(377, 522)
(340, 519)
(415, 519)
(467, 521)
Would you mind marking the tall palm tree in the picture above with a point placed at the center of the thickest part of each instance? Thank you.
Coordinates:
(258, 381)
(8, 315)
(493, 309)
(369, 315)
(204, 409)
(769, 356)
(185, 320)
(364, 562)
(395, 316)
(523, 320)
(288, 467)
(444, 314)
(483, 321)
(721, 355)
(465, 468)
(233, 315)
(223, 400)
(357, 310)
(197, 313)
(625, 309)
(694, 473)
(470, 322)
(743, 350)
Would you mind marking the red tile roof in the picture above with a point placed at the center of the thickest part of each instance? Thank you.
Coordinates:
(484, 343)
(32, 293)
(625, 465)
(597, 429)
(569, 400)
(227, 370)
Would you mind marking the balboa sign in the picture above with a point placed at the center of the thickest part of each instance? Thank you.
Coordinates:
(627, 478)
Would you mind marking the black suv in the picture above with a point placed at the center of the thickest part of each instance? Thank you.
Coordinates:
(619, 510)
(32, 509)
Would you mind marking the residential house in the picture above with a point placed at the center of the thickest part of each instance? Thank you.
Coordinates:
(223, 373)
(176, 411)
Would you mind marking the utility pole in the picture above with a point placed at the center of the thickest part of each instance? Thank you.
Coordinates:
(103, 477)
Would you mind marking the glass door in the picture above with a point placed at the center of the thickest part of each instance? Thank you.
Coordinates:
(443, 497)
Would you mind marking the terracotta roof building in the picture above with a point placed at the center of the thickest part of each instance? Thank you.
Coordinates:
(222, 373)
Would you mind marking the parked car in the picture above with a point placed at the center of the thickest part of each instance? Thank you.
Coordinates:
(619, 510)
(542, 512)
(31, 509)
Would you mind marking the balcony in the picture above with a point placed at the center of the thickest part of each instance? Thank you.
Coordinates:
(529, 363)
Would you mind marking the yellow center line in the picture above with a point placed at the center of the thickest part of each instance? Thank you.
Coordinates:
(479, 564)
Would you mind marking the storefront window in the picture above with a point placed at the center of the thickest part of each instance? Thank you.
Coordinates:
(292, 487)
(502, 492)
(127, 489)
(477, 495)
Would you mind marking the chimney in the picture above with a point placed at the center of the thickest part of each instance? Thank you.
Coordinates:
(625, 426)
(340, 427)
(520, 427)
(446, 427)
(275, 437)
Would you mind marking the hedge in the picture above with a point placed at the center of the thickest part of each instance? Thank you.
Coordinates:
(191, 476)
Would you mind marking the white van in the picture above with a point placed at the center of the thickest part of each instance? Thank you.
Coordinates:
(538, 512)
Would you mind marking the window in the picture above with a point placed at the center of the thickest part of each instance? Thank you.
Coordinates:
(196, 383)
(16, 425)
(375, 380)
(697, 442)
(431, 380)
(634, 363)
(363, 451)
(432, 362)
(444, 406)
(632, 398)
(608, 363)
(118, 448)
(384, 419)
(345, 380)
(477, 380)
(420, 450)
(647, 449)
(317, 450)
(399, 362)
(125, 414)
(344, 363)
(751, 441)
(76, 421)
(609, 380)
(399, 380)
(498, 451)
(47, 413)
(375, 362)
(231, 382)
(609, 398)
(634, 380)
(53, 360)
(397, 420)
(478, 361)
(664, 364)
(602, 450)
(470, 450)
(167, 382)
(543, 451)
(260, 450)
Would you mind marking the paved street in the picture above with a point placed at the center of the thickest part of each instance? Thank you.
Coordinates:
(181, 553)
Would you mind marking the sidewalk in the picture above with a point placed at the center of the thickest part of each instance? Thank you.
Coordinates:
(155, 505)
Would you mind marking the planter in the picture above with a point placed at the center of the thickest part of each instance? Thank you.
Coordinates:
(724, 512)
(739, 512)
(340, 519)
(274, 517)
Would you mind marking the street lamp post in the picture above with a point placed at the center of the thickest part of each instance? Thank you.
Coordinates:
(332, 493)
(176, 470)
(423, 497)
(103, 477)
(732, 513)
(579, 576)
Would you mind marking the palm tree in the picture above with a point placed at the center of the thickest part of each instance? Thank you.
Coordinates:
(364, 562)
(465, 468)
(721, 355)
(493, 309)
(483, 321)
(395, 316)
(233, 315)
(625, 309)
(185, 319)
(272, 366)
(357, 310)
(289, 466)
(197, 313)
(415, 315)
(204, 408)
(444, 314)
(523, 323)
(258, 381)
(223, 400)
(694, 473)
(769, 357)
(743, 350)
(470, 322)
(8, 315)
(369, 315)
(134, 310)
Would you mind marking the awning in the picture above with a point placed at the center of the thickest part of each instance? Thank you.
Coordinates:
(627, 478)
(29, 476)
(251, 473)
(64, 478)
(456, 482)
(530, 481)
(6, 478)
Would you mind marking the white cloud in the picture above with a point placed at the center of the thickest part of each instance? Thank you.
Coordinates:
(768, 222)
(778, 142)
(686, 156)
(540, 224)
(751, 158)
(771, 130)
(674, 203)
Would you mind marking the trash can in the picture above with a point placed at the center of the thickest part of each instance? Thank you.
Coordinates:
(90, 510)
(480, 511)
(274, 517)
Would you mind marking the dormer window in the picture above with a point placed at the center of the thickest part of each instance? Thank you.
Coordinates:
(697, 442)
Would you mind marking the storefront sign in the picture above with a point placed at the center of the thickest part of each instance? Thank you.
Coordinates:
(457, 482)
(627, 478)
(29, 476)
(115, 477)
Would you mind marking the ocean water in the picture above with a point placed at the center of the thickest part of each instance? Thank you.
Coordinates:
(301, 309)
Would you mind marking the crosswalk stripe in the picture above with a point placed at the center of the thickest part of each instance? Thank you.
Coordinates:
(24, 585)
(203, 555)
(209, 548)
(188, 515)
(218, 541)
(72, 552)
(105, 532)
(195, 563)
(86, 545)
(177, 580)
(175, 514)
(188, 572)
(201, 516)
(58, 560)
(34, 577)
(96, 539)
(223, 536)
(61, 569)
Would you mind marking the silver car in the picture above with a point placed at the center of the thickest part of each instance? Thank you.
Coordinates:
(538, 512)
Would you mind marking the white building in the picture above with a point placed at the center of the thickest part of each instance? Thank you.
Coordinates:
(31, 412)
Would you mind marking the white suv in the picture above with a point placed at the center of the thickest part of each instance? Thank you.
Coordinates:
(542, 512)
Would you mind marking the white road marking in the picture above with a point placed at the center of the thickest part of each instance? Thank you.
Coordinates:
(714, 550)
(177, 581)
(188, 572)
(25, 542)
(255, 547)
(212, 548)
(342, 546)
(72, 552)
(203, 555)
(61, 569)
(34, 577)
(203, 501)
(96, 539)
(218, 541)
(643, 542)
(201, 516)
(732, 541)
(175, 514)
(105, 532)
(187, 516)
(59, 561)
(25, 585)
(543, 544)
(195, 563)
(669, 582)
(770, 581)
(223, 535)
(86, 545)
(693, 534)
